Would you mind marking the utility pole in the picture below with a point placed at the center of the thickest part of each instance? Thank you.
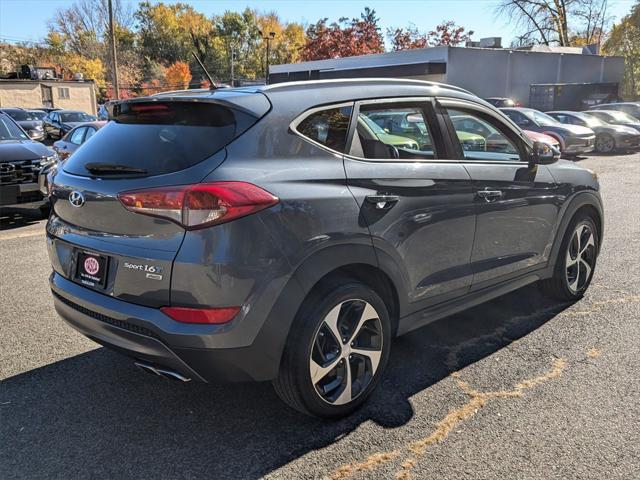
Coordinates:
(270, 36)
(233, 61)
(114, 66)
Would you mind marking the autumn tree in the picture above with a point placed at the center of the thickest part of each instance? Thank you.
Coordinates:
(446, 33)
(82, 31)
(624, 40)
(178, 75)
(406, 38)
(343, 38)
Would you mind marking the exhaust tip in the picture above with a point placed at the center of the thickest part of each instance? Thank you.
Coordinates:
(162, 372)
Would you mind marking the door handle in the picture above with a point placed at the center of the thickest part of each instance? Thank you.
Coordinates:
(489, 195)
(382, 202)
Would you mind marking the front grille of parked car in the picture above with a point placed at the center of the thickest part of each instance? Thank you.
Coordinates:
(23, 171)
(105, 319)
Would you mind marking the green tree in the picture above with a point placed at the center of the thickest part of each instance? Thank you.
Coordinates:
(624, 40)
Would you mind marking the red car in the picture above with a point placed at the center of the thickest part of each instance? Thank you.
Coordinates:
(541, 137)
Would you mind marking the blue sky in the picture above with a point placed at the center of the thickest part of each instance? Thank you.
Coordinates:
(27, 19)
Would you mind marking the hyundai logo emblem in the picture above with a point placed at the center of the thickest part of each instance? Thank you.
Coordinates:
(7, 168)
(76, 199)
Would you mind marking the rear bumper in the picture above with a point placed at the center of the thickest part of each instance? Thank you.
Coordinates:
(146, 334)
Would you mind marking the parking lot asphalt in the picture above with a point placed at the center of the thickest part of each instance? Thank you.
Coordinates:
(519, 388)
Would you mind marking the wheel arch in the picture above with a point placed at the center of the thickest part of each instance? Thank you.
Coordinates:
(356, 261)
(583, 202)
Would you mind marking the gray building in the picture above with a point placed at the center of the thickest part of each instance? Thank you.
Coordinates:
(487, 72)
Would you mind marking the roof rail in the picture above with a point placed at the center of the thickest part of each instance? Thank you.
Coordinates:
(425, 83)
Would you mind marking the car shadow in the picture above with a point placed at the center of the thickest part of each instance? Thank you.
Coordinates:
(95, 415)
(17, 218)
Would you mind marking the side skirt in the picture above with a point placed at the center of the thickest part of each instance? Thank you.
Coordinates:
(441, 310)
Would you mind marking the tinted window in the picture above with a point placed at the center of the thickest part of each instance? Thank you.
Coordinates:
(38, 114)
(480, 138)
(519, 119)
(9, 130)
(328, 127)
(21, 115)
(76, 136)
(161, 137)
(392, 131)
(76, 117)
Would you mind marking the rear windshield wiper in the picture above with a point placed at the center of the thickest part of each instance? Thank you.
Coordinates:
(112, 168)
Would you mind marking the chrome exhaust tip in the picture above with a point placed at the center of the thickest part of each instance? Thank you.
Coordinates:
(162, 372)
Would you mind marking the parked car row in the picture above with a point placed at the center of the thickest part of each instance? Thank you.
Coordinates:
(605, 128)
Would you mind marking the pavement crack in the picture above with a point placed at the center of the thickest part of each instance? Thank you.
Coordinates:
(371, 462)
(477, 400)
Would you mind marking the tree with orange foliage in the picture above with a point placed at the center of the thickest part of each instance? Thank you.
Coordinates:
(178, 75)
(150, 87)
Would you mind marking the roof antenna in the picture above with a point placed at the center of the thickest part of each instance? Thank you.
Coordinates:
(212, 85)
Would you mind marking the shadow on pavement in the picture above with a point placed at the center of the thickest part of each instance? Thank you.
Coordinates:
(95, 415)
(13, 219)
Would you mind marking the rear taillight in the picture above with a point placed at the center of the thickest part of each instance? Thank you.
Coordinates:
(199, 205)
(201, 315)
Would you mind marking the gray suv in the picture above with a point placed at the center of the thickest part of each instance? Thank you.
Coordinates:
(264, 234)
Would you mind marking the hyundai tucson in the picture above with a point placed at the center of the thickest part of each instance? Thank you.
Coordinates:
(262, 234)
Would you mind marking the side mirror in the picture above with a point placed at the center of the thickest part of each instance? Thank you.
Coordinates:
(543, 154)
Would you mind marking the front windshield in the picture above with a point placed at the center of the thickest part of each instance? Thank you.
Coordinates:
(623, 117)
(22, 115)
(590, 120)
(9, 130)
(39, 114)
(76, 117)
(541, 118)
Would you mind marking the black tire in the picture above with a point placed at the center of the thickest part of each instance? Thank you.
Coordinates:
(567, 283)
(605, 143)
(294, 384)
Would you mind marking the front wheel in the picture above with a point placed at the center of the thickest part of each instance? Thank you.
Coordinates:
(605, 143)
(576, 261)
(336, 351)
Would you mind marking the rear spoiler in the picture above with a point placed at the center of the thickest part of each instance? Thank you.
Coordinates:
(253, 103)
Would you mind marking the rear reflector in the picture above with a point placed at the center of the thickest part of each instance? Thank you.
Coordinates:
(201, 315)
(199, 205)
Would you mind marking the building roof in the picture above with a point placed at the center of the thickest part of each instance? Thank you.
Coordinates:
(47, 80)
(415, 56)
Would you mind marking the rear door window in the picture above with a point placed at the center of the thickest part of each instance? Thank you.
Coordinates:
(393, 131)
(155, 138)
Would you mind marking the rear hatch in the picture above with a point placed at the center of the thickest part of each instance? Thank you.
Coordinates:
(154, 142)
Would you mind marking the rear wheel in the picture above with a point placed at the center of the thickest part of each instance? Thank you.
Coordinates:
(336, 352)
(576, 261)
(605, 143)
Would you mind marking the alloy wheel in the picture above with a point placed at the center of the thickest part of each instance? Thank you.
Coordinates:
(581, 255)
(605, 144)
(346, 351)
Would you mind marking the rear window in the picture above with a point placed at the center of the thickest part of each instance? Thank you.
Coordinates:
(160, 137)
(328, 127)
